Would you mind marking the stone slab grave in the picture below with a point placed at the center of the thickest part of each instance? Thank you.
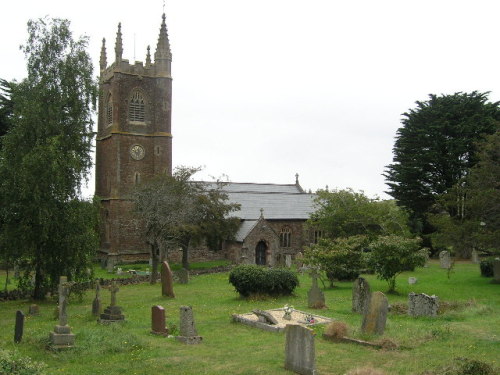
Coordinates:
(422, 305)
(360, 295)
(273, 321)
(300, 354)
(188, 333)
(19, 328)
(158, 322)
(167, 280)
(444, 259)
(96, 303)
(375, 316)
(315, 296)
(34, 310)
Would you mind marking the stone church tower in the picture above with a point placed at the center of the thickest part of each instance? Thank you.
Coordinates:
(134, 141)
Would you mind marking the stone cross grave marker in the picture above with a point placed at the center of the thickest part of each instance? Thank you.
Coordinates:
(167, 280)
(422, 305)
(62, 336)
(96, 303)
(188, 333)
(112, 313)
(444, 259)
(315, 296)
(496, 271)
(19, 328)
(300, 356)
(375, 317)
(158, 326)
(360, 295)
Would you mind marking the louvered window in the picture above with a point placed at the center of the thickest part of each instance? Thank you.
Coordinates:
(136, 107)
(109, 111)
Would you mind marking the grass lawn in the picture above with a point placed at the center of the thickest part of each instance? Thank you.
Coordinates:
(471, 330)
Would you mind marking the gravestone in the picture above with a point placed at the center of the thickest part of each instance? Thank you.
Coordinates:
(183, 276)
(444, 259)
(158, 326)
(62, 336)
(288, 261)
(112, 313)
(96, 303)
(167, 280)
(422, 305)
(315, 296)
(360, 295)
(299, 260)
(496, 271)
(188, 334)
(412, 280)
(34, 310)
(19, 328)
(474, 257)
(110, 264)
(375, 316)
(300, 356)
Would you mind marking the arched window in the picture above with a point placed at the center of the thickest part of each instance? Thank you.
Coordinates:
(285, 237)
(109, 111)
(136, 107)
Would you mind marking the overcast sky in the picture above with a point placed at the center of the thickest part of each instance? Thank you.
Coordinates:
(264, 89)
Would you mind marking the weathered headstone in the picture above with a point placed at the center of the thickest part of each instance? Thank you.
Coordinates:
(299, 260)
(375, 317)
(444, 259)
(288, 261)
(110, 264)
(96, 303)
(183, 276)
(112, 313)
(188, 334)
(360, 295)
(62, 336)
(300, 356)
(19, 328)
(158, 326)
(315, 296)
(474, 257)
(167, 280)
(412, 280)
(34, 310)
(422, 305)
(496, 271)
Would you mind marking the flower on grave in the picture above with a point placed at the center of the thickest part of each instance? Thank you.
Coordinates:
(309, 318)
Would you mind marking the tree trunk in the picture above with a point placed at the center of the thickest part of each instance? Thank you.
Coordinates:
(39, 292)
(185, 253)
(154, 266)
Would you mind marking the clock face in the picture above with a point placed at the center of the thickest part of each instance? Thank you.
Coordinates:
(137, 152)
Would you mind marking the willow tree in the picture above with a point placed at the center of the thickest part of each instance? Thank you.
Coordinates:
(46, 155)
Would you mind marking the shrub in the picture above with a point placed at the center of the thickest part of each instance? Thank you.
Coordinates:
(486, 267)
(340, 258)
(13, 363)
(251, 279)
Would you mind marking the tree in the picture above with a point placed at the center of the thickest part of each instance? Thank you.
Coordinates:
(45, 156)
(179, 212)
(391, 255)
(340, 258)
(435, 148)
(6, 106)
(476, 202)
(344, 213)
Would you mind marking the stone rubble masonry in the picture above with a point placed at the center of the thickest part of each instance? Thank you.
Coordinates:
(422, 305)
(300, 356)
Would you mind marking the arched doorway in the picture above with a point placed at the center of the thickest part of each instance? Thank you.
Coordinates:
(260, 253)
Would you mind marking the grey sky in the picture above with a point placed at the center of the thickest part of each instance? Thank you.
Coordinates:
(264, 89)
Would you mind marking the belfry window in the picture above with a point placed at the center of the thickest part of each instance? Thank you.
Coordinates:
(285, 237)
(109, 111)
(136, 107)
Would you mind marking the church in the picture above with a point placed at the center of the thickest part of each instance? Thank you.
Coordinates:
(134, 143)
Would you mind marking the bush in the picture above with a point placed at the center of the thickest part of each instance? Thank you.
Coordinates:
(14, 364)
(341, 258)
(252, 279)
(486, 267)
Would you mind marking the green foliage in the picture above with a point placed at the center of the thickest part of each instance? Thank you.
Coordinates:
(251, 279)
(340, 258)
(486, 267)
(391, 255)
(45, 156)
(435, 148)
(344, 213)
(12, 363)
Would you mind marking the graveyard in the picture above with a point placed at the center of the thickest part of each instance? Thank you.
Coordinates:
(467, 326)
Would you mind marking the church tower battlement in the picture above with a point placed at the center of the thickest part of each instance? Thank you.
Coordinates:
(134, 140)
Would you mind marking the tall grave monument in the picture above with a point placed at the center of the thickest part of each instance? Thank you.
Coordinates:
(62, 336)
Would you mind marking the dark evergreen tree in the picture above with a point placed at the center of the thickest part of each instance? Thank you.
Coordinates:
(435, 148)
(45, 156)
